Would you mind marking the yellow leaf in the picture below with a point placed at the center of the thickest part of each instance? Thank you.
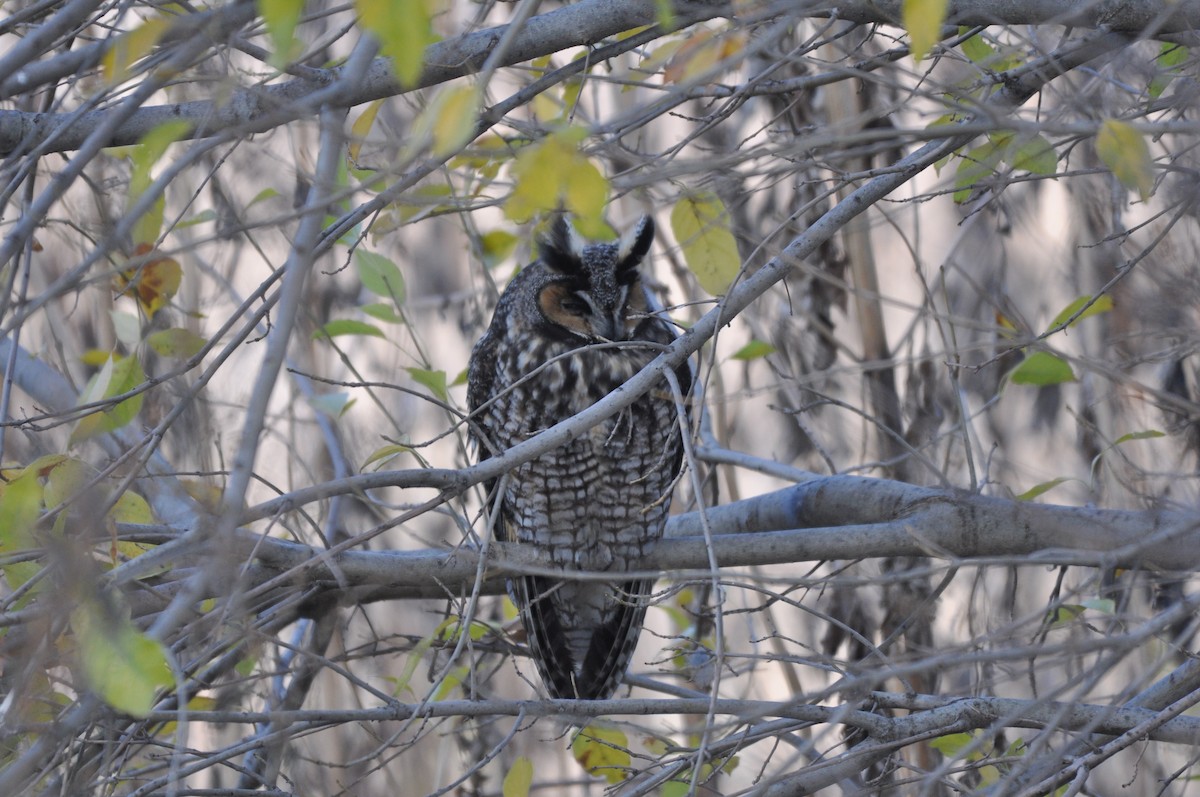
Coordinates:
(603, 752)
(65, 479)
(699, 53)
(661, 55)
(129, 47)
(123, 666)
(923, 19)
(281, 17)
(404, 31)
(553, 174)
(131, 508)
(496, 246)
(176, 342)
(362, 127)
(155, 281)
(1123, 149)
(457, 111)
(451, 683)
(701, 226)
(207, 495)
(20, 506)
(149, 225)
(519, 778)
(585, 195)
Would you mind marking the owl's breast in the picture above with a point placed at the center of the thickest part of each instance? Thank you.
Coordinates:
(598, 502)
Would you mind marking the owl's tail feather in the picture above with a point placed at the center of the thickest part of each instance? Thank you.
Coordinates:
(612, 642)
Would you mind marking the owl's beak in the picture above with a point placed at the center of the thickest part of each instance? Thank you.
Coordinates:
(613, 328)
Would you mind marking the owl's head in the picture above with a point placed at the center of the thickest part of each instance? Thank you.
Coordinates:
(593, 291)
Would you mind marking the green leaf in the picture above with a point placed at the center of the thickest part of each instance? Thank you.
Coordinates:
(701, 226)
(346, 326)
(127, 327)
(450, 629)
(1124, 150)
(383, 312)
(116, 377)
(143, 157)
(1102, 304)
(333, 405)
(434, 380)
(176, 342)
(950, 744)
(123, 666)
(379, 275)
(497, 245)
(385, 454)
(518, 779)
(281, 18)
(203, 217)
(263, 196)
(451, 683)
(1065, 614)
(1039, 489)
(401, 683)
(754, 350)
(976, 49)
(1102, 605)
(976, 165)
(1170, 58)
(664, 12)
(131, 46)
(1149, 434)
(603, 752)
(1035, 155)
(404, 30)
(150, 149)
(1042, 368)
(923, 19)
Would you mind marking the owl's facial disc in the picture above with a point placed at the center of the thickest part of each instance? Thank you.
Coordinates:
(577, 312)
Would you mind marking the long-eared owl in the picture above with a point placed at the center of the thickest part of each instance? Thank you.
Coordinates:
(570, 328)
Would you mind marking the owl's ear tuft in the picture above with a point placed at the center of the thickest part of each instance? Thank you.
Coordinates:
(635, 243)
(562, 248)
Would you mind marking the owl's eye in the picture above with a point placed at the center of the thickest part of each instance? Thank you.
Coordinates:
(574, 305)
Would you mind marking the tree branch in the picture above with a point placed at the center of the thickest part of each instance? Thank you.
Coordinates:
(585, 23)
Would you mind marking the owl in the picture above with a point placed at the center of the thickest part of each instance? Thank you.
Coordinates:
(570, 328)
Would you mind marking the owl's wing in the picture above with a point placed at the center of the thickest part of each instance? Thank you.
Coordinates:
(481, 379)
(612, 641)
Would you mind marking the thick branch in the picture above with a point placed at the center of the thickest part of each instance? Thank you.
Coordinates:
(935, 713)
(259, 109)
(834, 518)
(584, 23)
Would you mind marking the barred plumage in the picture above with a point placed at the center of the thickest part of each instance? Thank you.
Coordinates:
(565, 334)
